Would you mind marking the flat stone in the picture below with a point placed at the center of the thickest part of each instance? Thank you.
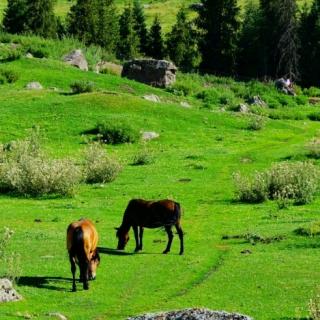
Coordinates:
(149, 135)
(34, 86)
(57, 315)
(185, 104)
(151, 97)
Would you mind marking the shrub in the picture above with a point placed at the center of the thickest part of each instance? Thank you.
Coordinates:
(314, 307)
(256, 123)
(38, 52)
(284, 182)
(25, 170)
(117, 132)
(99, 167)
(82, 87)
(313, 148)
(251, 189)
(9, 76)
(143, 157)
(314, 116)
(310, 231)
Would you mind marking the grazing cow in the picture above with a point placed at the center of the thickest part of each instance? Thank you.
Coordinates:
(141, 214)
(82, 240)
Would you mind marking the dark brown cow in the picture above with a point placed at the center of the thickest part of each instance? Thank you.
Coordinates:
(141, 214)
(82, 240)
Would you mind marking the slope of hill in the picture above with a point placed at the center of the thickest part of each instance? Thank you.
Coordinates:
(198, 151)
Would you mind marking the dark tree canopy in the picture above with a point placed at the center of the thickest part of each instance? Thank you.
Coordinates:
(155, 42)
(140, 26)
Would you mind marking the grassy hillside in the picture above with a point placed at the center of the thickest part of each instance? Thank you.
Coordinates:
(166, 9)
(198, 151)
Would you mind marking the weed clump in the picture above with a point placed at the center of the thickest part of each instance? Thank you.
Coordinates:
(25, 170)
(284, 182)
(8, 76)
(313, 229)
(82, 87)
(143, 157)
(256, 123)
(99, 167)
(313, 148)
(117, 132)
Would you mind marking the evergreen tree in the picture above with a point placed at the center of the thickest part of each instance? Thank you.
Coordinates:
(15, 16)
(128, 39)
(40, 18)
(155, 42)
(287, 49)
(309, 33)
(140, 26)
(82, 20)
(182, 43)
(107, 29)
(250, 51)
(220, 25)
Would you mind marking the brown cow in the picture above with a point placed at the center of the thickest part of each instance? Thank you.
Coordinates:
(150, 214)
(82, 240)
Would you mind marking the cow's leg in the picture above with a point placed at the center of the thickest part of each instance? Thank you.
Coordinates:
(140, 237)
(73, 270)
(180, 233)
(170, 237)
(135, 230)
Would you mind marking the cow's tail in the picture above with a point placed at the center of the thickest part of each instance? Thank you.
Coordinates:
(177, 211)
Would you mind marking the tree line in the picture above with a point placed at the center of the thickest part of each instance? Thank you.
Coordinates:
(268, 39)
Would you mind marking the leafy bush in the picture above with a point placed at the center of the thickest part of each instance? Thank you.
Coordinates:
(313, 148)
(296, 182)
(8, 53)
(82, 87)
(117, 132)
(310, 231)
(25, 170)
(9, 76)
(143, 157)
(38, 52)
(256, 123)
(99, 167)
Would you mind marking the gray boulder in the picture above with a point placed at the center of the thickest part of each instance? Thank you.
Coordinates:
(158, 73)
(257, 101)
(149, 135)
(77, 59)
(192, 314)
(284, 86)
(34, 86)
(7, 293)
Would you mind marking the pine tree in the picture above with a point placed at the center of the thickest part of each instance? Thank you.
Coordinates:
(182, 43)
(128, 39)
(219, 22)
(15, 16)
(155, 42)
(107, 29)
(309, 34)
(82, 20)
(140, 26)
(40, 18)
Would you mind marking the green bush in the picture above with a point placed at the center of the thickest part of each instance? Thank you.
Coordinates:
(25, 170)
(313, 229)
(313, 148)
(99, 167)
(256, 123)
(285, 182)
(82, 87)
(9, 76)
(117, 132)
(143, 157)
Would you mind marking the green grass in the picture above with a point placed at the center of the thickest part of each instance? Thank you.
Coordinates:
(194, 158)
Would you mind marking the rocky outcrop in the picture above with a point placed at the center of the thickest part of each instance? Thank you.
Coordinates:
(7, 293)
(192, 314)
(77, 59)
(158, 73)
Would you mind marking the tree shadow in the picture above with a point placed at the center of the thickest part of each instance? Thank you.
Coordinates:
(50, 283)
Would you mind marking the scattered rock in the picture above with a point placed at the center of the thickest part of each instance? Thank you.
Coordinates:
(34, 86)
(284, 86)
(7, 293)
(158, 73)
(256, 101)
(149, 135)
(57, 315)
(185, 104)
(151, 97)
(77, 59)
(243, 108)
(112, 68)
(29, 55)
(192, 314)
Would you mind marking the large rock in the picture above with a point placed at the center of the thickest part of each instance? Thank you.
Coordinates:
(192, 314)
(158, 73)
(77, 59)
(284, 86)
(7, 293)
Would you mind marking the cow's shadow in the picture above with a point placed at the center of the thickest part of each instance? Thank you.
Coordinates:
(50, 283)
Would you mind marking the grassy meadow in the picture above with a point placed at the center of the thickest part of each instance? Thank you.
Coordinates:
(198, 151)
